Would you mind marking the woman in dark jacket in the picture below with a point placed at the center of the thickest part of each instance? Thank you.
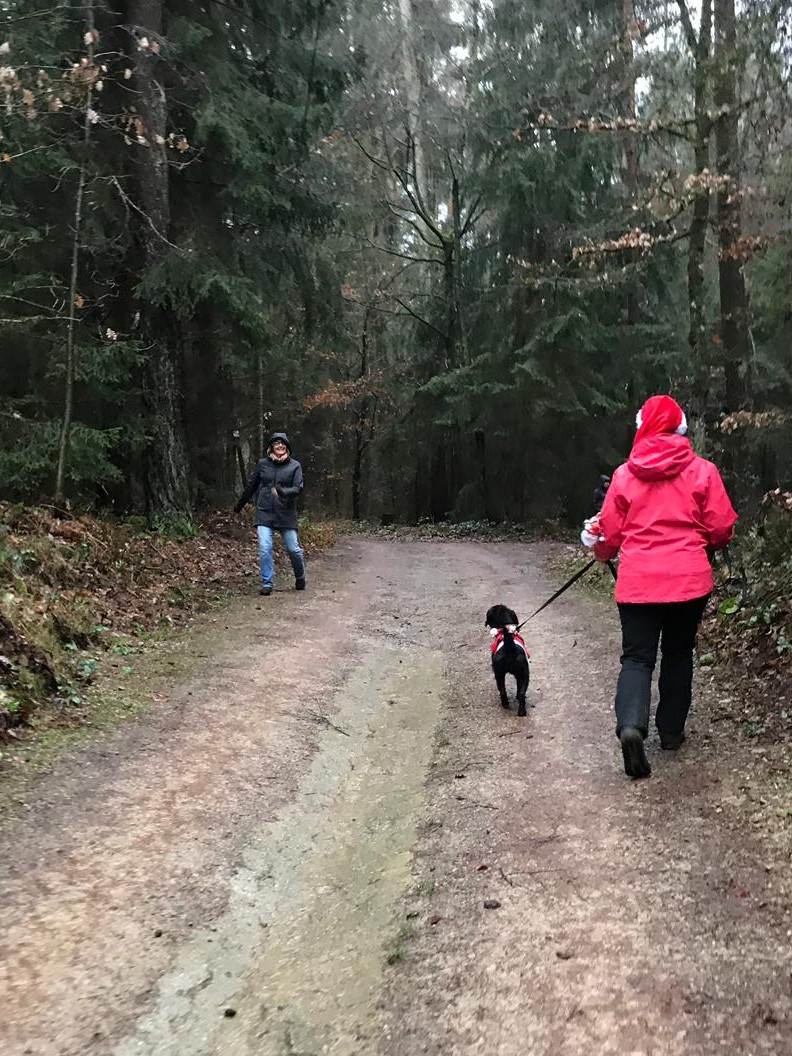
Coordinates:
(665, 510)
(276, 482)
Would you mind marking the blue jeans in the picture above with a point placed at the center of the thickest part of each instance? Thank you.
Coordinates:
(266, 537)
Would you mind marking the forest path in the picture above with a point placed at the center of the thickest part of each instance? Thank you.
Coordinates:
(294, 855)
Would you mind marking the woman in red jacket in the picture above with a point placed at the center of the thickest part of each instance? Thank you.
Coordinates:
(665, 510)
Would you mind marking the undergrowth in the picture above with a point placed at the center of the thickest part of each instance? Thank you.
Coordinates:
(73, 589)
(485, 531)
(755, 612)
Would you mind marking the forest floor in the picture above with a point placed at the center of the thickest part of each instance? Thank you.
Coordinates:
(324, 835)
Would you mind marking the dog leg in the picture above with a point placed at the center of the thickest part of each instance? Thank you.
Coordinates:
(521, 699)
(500, 681)
(522, 689)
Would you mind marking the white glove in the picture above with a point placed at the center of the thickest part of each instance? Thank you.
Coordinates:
(590, 535)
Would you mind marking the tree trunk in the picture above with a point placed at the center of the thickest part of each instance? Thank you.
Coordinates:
(630, 172)
(438, 482)
(629, 138)
(733, 297)
(166, 465)
(262, 439)
(460, 335)
(413, 90)
(413, 77)
(449, 340)
(365, 416)
(481, 455)
(700, 47)
(360, 445)
(68, 403)
(357, 473)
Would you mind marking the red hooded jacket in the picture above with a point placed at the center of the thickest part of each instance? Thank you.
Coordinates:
(665, 506)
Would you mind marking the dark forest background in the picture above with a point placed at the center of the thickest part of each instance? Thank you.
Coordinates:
(449, 246)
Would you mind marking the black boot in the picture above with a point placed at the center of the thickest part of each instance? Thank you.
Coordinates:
(299, 584)
(632, 744)
(265, 592)
(671, 742)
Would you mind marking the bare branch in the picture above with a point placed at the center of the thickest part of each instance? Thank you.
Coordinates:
(128, 202)
(6, 158)
(386, 167)
(687, 25)
(615, 126)
(417, 204)
(394, 209)
(31, 304)
(36, 14)
(390, 311)
(471, 221)
(31, 319)
(419, 318)
(402, 256)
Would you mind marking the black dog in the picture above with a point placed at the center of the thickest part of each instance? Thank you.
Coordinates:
(509, 654)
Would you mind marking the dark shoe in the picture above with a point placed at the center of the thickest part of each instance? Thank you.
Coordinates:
(632, 744)
(671, 742)
(265, 592)
(299, 584)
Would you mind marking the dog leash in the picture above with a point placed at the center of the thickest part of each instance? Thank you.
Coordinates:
(570, 582)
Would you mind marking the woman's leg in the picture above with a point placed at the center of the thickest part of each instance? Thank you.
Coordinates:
(265, 555)
(296, 556)
(680, 625)
(641, 626)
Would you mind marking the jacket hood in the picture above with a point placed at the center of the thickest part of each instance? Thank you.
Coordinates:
(279, 436)
(660, 457)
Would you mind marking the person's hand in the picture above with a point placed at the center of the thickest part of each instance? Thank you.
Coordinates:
(591, 534)
(274, 493)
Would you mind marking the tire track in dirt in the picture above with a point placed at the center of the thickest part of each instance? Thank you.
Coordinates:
(298, 954)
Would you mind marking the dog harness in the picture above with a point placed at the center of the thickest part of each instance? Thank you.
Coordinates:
(497, 640)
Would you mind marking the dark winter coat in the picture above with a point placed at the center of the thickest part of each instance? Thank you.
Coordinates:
(287, 478)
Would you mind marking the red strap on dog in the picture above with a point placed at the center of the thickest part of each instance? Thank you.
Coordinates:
(497, 643)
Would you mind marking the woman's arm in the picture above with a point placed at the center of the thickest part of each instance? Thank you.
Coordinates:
(717, 512)
(249, 491)
(611, 521)
(295, 487)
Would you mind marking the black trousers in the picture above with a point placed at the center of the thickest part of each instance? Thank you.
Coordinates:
(673, 625)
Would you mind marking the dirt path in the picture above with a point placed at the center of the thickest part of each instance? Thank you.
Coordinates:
(288, 857)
